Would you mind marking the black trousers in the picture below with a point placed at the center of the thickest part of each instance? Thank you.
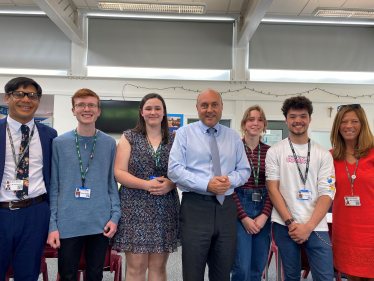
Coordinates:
(208, 234)
(70, 253)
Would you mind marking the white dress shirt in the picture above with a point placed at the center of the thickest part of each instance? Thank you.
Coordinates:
(36, 181)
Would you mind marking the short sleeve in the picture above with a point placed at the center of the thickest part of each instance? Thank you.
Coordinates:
(129, 135)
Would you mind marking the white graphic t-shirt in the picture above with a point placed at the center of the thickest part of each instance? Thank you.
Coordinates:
(281, 166)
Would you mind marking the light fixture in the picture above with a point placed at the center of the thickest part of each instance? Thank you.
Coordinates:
(153, 7)
(343, 13)
(159, 73)
(303, 76)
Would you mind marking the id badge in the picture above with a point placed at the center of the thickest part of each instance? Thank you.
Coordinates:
(83, 192)
(352, 201)
(256, 197)
(14, 185)
(305, 194)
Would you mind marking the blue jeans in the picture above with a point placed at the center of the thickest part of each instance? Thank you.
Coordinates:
(252, 249)
(318, 252)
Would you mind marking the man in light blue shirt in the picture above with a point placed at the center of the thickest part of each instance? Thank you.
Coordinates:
(208, 210)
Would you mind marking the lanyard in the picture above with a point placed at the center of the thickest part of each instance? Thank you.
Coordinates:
(307, 162)
(157, 154)
(13, 150)
(83, 174)
(352, 179)
(255, 175)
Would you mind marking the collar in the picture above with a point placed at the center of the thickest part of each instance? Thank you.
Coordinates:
(16, 126)
(204, 128)
(256, 148)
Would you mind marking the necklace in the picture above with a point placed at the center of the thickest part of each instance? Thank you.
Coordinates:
(350, 154)
(85, 145)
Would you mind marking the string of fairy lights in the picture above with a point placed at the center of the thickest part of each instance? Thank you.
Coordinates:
(246, 89)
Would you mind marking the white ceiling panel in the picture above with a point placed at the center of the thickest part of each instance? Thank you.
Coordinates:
(220, 6)
(9, 2)
(80, 4)
(313, 4)
(287, 7)
(24, 2)
(359, 4)
(236, 5)
(91, 3)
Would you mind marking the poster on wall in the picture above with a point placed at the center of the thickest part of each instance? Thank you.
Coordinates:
(175, 121)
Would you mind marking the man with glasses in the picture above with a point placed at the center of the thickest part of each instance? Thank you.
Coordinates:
(25, 164)
(85, 206)
(301, 182)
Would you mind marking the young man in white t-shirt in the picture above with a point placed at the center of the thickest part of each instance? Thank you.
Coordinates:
(301, 182)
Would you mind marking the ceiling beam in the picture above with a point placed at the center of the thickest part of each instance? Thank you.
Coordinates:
(254, 12)
(64, 14)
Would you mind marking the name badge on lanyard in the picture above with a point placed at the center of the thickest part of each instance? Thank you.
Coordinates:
(303, 194)
(83, 192)
(256, 196)
(156, 154)
(352, 201)
(14, 185)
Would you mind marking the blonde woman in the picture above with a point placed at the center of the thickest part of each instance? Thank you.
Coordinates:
(254, 205)
(353, 209)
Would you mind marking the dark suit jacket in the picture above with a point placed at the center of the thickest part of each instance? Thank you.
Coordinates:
(46, 135)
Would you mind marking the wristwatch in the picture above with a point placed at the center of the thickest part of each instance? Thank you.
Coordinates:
(289, 221)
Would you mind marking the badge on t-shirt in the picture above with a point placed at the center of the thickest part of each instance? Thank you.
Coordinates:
(305, 194)
(352, 201)
(14, 185)
(83, 192)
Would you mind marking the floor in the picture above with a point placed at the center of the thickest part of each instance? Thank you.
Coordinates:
(174, 269)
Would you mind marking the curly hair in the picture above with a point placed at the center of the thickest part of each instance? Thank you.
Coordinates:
(298, 102)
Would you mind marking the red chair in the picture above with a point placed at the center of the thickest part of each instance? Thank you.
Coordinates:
(43, 269)
(113, 262)
(278, 263)
(49, 252)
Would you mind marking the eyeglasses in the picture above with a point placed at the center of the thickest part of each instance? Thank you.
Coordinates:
(83, 105)
(351, 106)
(19, 95)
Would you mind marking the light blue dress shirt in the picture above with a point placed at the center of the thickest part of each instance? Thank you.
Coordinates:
(190, 162)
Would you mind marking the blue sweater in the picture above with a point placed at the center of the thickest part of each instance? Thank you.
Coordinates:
(72, 216)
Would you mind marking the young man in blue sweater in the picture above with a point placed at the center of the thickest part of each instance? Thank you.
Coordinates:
(85, 206)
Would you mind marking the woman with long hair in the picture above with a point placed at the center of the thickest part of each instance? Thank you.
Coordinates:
(149, 226)
(254, 205)
(353, 208)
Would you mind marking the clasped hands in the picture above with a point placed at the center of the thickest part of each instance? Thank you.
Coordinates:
(299, 232)
(219, 185)
(160, 186)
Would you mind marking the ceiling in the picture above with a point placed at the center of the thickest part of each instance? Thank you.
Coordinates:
(278, 7)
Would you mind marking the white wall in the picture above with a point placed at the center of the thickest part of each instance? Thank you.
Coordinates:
(183, 102)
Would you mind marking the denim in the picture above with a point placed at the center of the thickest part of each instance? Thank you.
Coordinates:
(252, 249)
(319, 254)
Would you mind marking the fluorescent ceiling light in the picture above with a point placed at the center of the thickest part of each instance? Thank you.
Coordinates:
(113, 14)
(33, 71)
(153, 7)
(21, 11)
(343, 13)
(316, 20)
(301, 76)
(158, 73)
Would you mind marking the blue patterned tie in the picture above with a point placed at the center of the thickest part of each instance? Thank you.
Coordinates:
(215, 159)
(23, 166)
